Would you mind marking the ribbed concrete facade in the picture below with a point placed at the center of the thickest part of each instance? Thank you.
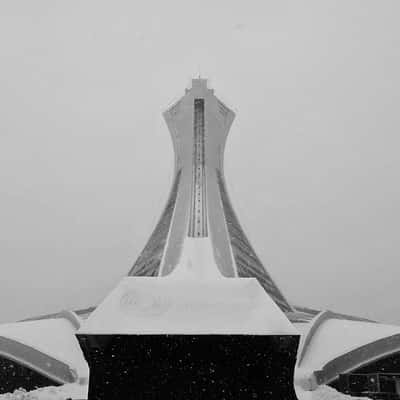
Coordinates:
(199, 205)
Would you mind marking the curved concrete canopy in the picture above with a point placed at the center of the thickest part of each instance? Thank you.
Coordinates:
(46, 346)
(333, 344)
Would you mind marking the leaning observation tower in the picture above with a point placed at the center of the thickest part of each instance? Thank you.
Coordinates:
(199, 220)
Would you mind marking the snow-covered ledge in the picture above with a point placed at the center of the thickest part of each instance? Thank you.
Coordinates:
(146, 305)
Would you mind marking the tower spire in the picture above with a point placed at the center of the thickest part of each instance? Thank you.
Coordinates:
(199, 214)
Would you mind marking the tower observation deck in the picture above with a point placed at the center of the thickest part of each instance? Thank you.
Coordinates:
(198, 209)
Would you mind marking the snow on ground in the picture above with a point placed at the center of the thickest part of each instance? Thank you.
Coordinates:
(324, 393)
(75, 391)
(328, 393)
(71, 391)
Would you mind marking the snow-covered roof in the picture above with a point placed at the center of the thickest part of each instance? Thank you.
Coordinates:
(194, 299)
(180, 305)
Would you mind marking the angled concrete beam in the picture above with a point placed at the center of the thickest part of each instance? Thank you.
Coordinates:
(315, 324)
(36, 360)
(357, 358)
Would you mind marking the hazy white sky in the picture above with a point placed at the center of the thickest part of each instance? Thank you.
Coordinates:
(312, 160)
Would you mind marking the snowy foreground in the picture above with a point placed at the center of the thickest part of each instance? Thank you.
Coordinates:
(75, 391)
(70, 391)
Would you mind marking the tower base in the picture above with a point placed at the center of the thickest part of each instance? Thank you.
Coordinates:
(190, 367)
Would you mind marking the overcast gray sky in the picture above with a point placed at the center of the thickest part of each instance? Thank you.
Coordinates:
(312, 160)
